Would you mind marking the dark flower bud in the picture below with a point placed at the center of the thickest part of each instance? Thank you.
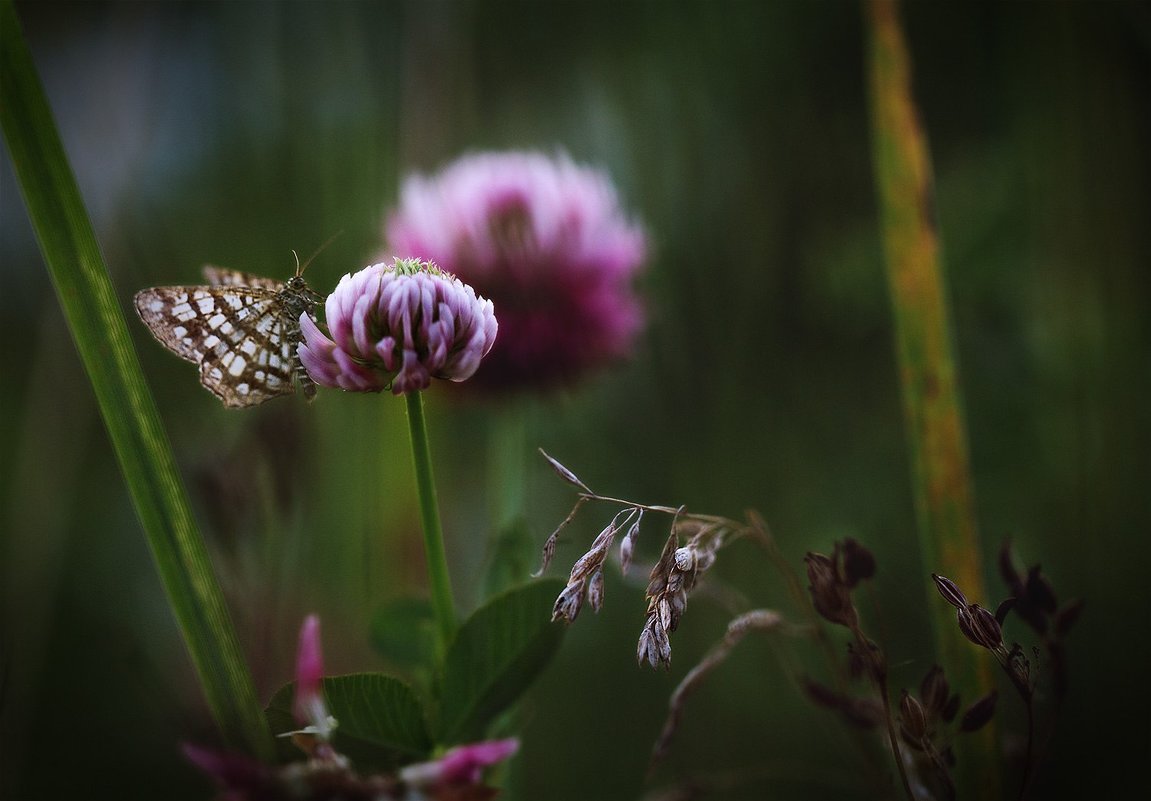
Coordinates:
(823, 695)
(979, 713)
(866, 713)
(858, 562)
(987, 627)
(1040, 592)
(866, 660)
(950, 709)
(856, 662)
(980, 626)
(1007, 569)
(829, 595)
(1019, 670)
(1032, 615)
(934, 691)
(912, 719)
(1065, 618)
(966, 624)
(950, 592)
(1003, 608)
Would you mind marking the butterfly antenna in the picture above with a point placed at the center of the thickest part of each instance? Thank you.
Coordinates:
(300, 268)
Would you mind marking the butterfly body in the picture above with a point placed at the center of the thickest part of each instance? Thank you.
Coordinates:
(241, 329)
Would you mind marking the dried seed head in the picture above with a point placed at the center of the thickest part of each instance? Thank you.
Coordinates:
(1065, 618)
(756, 619)
(858, 562)
(704, 559)
(1008, 571)
(830, 595)
(593, 560)
(981, 627)
(549, 551)
(873, 661)
(1001, 611)
(570, 601)
(866, 713)
(951, 709)
(912, 719)
(654, 646)
(626, 550)
(950, 591)
(666, 618)
(563, 472)
(595, 591)
(934, 691)
(1040, 592)
(661, 571)
(979, 713)
(1019, 671)
(823, 695)
(627, 545)
(684, 559)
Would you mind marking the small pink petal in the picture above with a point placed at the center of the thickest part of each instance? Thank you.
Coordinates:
(462, 765)
(309, 700)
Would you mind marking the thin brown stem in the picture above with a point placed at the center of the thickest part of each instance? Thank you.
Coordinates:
(879, 677)
(763, 536)
(1025, 785)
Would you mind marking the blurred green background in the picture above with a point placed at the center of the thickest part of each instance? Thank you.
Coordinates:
(232, 132)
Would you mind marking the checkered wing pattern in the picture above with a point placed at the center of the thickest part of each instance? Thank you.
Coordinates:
(222, 276)
(242, 330)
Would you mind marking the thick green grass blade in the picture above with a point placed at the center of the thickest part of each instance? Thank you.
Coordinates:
(949, 541)
(101, 335)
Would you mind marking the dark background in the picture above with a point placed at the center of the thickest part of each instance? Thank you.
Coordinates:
(232, 132)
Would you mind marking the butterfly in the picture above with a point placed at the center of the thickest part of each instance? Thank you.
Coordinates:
(242, 329)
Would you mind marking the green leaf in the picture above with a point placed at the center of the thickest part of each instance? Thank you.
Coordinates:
(929, 379)
(96, 322)
(404, 632)
(494, 658)
(381, 721)
(512, 553)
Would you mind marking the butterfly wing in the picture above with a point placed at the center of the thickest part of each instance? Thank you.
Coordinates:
(223, 276)
(254, 361)
(237, 334)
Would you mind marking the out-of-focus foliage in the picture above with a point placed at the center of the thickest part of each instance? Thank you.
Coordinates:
(234, 132)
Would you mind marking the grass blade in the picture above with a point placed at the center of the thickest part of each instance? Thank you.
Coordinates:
(101, 336)
(948, 537)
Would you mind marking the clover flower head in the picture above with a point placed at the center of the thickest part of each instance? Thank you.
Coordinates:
(547, 241)
(398, 326)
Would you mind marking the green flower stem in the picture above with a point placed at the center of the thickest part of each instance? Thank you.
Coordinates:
(101, 335)
(442, 604)
(941, 480)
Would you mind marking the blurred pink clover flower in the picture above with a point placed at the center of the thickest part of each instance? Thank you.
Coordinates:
(547, 241)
